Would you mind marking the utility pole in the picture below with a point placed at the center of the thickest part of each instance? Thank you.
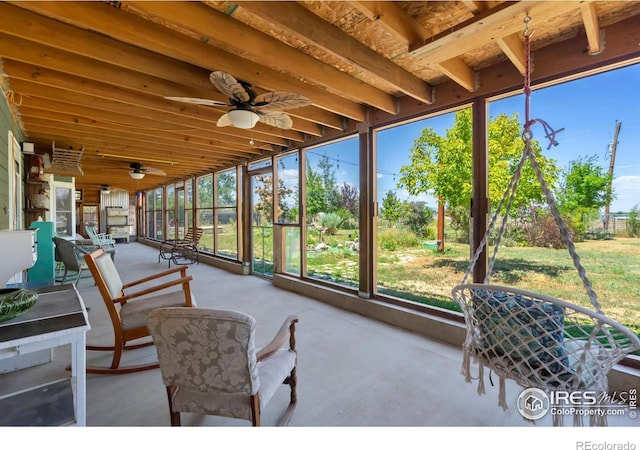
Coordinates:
(612, 162)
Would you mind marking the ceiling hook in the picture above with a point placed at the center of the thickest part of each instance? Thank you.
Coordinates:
(527, 33)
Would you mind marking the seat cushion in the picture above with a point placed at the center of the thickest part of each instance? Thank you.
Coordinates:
(528, 332)
(273, 371)
(135, 312)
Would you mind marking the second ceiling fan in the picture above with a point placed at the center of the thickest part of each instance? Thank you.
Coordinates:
(249, 107)
(138, 171)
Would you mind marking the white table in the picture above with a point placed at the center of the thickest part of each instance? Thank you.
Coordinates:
(58, 318)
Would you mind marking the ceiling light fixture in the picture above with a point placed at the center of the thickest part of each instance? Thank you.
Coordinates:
(243, 118)
(136, 175)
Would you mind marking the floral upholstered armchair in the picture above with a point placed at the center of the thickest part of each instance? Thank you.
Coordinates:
(209, 364)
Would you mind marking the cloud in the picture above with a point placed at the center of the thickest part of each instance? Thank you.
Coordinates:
(626, 189)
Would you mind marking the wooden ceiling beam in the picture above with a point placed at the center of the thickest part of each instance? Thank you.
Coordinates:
(498, 22)
(591, 27)
(316, 32)
(460, 72)
(56, 24)
(513, 47)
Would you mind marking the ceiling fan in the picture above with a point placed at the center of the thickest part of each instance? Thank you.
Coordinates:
(105, 188)
(138, 171)
(249, 107)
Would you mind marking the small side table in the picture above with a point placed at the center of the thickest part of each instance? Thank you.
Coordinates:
(58, 318)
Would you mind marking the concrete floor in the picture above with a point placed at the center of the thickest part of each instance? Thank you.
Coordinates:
(353, 371)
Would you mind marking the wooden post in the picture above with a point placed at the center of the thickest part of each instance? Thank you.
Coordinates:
(440, 224)
(368, 211)
(480, 199)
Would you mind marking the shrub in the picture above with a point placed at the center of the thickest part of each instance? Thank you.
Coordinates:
(633, 222)
(544, 232)
(395, 239)
(331, 222)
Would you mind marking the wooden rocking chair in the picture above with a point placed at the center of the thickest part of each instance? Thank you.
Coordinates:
(129, 311)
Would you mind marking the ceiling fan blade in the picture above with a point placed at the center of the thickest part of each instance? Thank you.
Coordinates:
(275, 119)
(229, 86)
(153, 171)
(224, 121)
(198, 101)
(278, 101)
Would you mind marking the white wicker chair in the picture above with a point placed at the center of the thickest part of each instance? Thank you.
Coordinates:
(534, 339)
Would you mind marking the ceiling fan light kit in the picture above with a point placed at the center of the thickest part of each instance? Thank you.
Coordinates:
(243, 118)
(136, 175)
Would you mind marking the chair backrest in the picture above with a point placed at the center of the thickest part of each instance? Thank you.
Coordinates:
(192, 342)
(65, 253)
(92, 233)
(193, 235)
(107, 279)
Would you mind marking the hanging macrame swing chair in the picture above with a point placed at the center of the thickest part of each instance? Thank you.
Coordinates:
(537, 340)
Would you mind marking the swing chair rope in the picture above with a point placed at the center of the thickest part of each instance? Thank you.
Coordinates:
(534, 339)
(510, 192)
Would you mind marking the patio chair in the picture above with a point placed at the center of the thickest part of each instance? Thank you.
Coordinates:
(129, 310)
(102, 240)
(182, 251)
(209, 364)
(70, 254)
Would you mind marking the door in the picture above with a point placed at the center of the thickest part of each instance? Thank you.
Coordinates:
(262, 222)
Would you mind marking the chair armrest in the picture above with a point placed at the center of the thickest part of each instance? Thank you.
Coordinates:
(156, 276)
(287, 330)
(160, 287)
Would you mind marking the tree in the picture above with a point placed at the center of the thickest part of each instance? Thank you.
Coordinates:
(442, 166)
(263, 207)
(321, 185)
(418, 216)
(349, 198)
(391, 207)
(583, 191)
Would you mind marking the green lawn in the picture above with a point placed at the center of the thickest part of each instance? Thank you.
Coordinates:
(613, 267)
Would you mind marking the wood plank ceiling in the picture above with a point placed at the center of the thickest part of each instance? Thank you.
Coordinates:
(95, 74)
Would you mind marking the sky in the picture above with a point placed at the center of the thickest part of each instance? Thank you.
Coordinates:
(587, 110)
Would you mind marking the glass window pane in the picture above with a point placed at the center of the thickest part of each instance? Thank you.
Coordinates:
(64, 202)
(188, 189)
(580, 169)
(204, 220)
(205, 191)
(227, 232)
(408, 264)
(226, 188)
(292, 250)
(260, 164)
(157, 206)
(332, 196)
(288, 189)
